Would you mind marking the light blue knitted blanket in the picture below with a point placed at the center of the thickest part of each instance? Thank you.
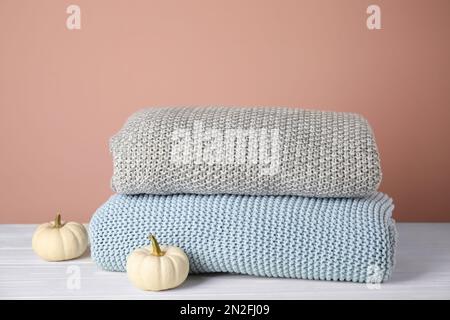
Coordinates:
(344, 239)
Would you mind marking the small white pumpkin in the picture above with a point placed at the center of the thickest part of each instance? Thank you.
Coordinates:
(157, 268)
(57, 241)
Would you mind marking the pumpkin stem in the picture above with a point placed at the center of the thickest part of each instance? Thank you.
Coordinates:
(58, 221)
(155, 246)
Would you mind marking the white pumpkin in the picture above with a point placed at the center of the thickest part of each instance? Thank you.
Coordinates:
(57, 241)
(157, 268)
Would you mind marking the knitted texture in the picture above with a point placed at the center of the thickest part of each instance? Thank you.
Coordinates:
(253, 151)
(274, 236)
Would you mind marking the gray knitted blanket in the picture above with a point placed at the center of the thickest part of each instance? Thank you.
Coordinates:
(254, 151)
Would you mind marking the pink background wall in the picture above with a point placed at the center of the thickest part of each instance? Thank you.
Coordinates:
(64, 93)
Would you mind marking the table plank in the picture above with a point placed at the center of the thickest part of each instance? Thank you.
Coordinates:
(422, 272)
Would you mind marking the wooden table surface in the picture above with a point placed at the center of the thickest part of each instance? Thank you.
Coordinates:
(422, 272)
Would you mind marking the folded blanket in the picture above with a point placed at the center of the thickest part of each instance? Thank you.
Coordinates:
(254, 151)
(275, 236)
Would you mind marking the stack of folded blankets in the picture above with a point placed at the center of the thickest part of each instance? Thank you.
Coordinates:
(274, 192)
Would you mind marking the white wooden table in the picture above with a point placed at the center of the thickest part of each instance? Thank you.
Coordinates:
(422, 272)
